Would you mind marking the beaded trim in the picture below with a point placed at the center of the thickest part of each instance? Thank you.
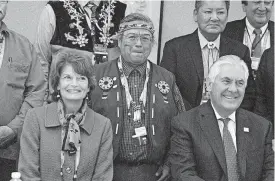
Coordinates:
(125, 27)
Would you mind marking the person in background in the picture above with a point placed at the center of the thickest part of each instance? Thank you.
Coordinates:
(218, 141)
(22, 86)
(264, 105)
(66, 131)
(256, 30)
(140, 98)
(190, 57)
(78, 25)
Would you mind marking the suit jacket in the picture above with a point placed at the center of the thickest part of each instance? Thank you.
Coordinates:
(41, 145)
(183, 57)
(235, 30)
(264, 104)
(197, 149)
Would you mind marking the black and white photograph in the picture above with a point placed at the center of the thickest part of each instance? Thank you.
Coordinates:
(137, 90)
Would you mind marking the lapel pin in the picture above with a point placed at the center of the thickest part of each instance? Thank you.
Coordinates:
(246, 129)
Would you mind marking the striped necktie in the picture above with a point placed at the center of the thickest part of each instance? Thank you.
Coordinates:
(230, 152)
(256, 45)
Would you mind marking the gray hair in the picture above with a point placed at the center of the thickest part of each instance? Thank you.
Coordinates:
(227, 59)
(198, 4)
(245, 2)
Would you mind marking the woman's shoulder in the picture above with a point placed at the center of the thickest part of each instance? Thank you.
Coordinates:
(44, 108)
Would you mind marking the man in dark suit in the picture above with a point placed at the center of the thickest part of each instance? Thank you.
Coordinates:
(189, 57)
(264, 105)
(218, 141)
(258, 15)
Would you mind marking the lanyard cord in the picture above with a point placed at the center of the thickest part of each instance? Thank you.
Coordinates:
(253, 47)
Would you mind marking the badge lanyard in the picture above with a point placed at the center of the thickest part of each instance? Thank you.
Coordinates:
(253, 48)
(129, 99)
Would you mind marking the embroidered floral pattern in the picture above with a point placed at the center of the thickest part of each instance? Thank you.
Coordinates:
(106, 83)
(79, 38)
(105, 16)
(163, 87)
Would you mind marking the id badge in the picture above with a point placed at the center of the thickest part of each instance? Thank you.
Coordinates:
(255, 63)
(141, 135)
(141, 131)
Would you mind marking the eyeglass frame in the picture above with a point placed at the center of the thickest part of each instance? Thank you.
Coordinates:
(140, 36)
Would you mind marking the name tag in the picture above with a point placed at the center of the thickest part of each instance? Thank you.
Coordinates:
(141, 131)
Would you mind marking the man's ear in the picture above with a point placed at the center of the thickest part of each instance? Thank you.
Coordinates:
(119, 42)
(244, 7)
(209, 85)
(195, 14)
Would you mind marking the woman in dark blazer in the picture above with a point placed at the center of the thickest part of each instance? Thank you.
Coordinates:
(66, 140)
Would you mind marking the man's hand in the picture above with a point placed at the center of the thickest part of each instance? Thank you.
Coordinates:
(163, 173)
(7, 136)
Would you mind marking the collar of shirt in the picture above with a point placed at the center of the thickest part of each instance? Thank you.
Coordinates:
(250, 28)
(128, 68)
(84, 3)
(218, 116)
(204, 41)
(4, 29)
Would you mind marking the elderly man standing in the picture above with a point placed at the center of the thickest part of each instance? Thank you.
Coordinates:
(218, 141)
(22, 86)
(256, 30)
(140, 98)
(190, 57)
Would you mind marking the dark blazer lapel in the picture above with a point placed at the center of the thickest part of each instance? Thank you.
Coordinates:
(196, 53)
(210, 127)
(240, 30)
(243, 140)
(224, 48)
(271, 30)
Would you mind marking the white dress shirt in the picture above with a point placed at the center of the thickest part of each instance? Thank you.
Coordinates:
(249, 37)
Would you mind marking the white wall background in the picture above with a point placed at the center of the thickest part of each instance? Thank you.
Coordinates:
(23, 16)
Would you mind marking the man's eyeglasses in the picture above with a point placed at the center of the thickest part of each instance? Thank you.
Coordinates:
(133, 38)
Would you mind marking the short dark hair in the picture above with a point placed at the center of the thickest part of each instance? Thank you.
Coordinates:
(198, 4)
(81, 65)
(244, 2)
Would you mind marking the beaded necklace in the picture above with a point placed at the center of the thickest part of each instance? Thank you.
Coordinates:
(129, 100)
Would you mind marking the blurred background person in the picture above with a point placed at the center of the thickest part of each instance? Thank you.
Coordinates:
(66, 131)
(264, 105)
(22, 86)
(255, 30)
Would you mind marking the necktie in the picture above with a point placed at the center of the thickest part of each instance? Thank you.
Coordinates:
(211, 47)
(256, 45)
(230, 152)
(210, 60)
